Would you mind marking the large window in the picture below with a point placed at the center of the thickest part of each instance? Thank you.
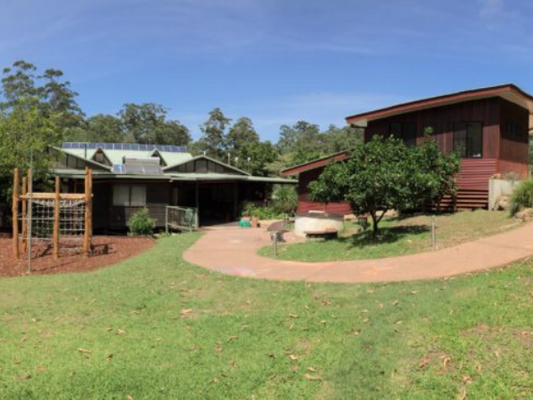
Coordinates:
(468, 139)
(129, 195)
(405, 131)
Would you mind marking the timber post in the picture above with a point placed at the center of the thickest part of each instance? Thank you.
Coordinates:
(16, 250)
(24, 212)
(55, 238)
(88, 212)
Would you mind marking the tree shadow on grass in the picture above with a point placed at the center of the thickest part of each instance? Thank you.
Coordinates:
(386, 235)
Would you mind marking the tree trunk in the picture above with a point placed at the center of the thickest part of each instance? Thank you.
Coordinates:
(374, 223)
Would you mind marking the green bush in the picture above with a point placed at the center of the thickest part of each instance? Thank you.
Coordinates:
(141, 224)
(261, 212)
(522, 197)
(285, 199)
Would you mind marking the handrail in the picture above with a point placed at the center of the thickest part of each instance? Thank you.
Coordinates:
(181, 218)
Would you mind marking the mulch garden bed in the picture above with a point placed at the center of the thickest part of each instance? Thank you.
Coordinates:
(107, 250)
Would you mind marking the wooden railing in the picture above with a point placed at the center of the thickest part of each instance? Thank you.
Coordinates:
(181, 218)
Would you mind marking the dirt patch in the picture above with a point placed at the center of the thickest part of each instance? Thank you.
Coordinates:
(108, 250)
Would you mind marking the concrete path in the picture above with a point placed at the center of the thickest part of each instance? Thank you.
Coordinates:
(232, 250)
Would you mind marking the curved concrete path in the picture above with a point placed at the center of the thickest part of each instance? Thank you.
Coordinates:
(232, 250)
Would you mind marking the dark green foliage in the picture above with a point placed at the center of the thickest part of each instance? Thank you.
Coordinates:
(147, 124)
(522, 196)
(285, 199)
(254, 157)
(141, 224)
(304, 142)
(385, 174)
(213, 140)
(261, 212)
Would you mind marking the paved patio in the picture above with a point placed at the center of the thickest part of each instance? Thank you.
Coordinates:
(232, 250)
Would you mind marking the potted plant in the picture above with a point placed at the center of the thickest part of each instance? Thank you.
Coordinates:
(255, 220)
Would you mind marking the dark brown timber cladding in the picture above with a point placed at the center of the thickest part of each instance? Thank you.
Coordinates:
(441, 119)
(514, 144)
(304, 202)
(108, 216)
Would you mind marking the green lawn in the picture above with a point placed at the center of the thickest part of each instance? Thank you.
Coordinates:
(156, 327)
(398, 236)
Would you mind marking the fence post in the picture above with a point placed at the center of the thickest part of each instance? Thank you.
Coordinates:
(166, 219)
(16, 251)
(56, 222)
(433, 233)
(274, 236)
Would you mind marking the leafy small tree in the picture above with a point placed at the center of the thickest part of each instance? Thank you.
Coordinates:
(436, 170)
(141, 224)
(385, 174)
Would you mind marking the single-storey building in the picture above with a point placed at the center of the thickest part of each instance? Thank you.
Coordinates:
(127, 177)
(309, 172)
(488, 127)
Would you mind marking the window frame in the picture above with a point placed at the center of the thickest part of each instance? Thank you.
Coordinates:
(402, 134)
(130, 190)
(454, 133)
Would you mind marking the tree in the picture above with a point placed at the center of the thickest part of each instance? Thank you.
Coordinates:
(53, 96)
(101, 128)
(22, 130)
(254, 157)
(172, 132)
(436, 170)
(339, 139)
(147, 124)
(213, 140)
(303, 141)
(385, 174)
(242, 132)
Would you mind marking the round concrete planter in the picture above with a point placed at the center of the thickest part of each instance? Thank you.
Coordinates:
(317, 221)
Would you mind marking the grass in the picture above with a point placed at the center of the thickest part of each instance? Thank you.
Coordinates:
(156, 327)
(398, 236)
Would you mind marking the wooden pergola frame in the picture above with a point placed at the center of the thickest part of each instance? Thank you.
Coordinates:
(25, 197)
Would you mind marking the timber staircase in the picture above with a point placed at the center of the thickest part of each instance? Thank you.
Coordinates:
(466, 200)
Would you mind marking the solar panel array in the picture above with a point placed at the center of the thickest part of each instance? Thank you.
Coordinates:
(125, 146)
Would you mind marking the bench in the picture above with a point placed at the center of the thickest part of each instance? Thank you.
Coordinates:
(322, 234)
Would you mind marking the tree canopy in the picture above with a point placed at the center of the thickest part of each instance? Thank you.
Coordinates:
(385, 174)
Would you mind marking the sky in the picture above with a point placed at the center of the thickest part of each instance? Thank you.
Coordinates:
(275, 61)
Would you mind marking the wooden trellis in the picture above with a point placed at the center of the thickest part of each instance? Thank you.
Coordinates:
(51, 219)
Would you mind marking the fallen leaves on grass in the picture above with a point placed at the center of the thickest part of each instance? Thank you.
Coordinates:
(424, 362)
(23, 377)
(310, 377)
(84, 351)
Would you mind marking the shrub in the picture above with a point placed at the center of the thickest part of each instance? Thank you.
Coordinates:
(285, 199)
(141, 224)
(261, 212)
(522, 197)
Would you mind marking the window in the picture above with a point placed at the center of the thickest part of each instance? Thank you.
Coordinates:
(468, 139)
(129, 195)
(99, 157)
(514, 130)
(405, 131)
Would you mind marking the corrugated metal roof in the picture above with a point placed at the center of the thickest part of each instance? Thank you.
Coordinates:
(190, 177)
(116, 156)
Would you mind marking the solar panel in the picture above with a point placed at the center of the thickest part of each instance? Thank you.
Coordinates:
(124, 146)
